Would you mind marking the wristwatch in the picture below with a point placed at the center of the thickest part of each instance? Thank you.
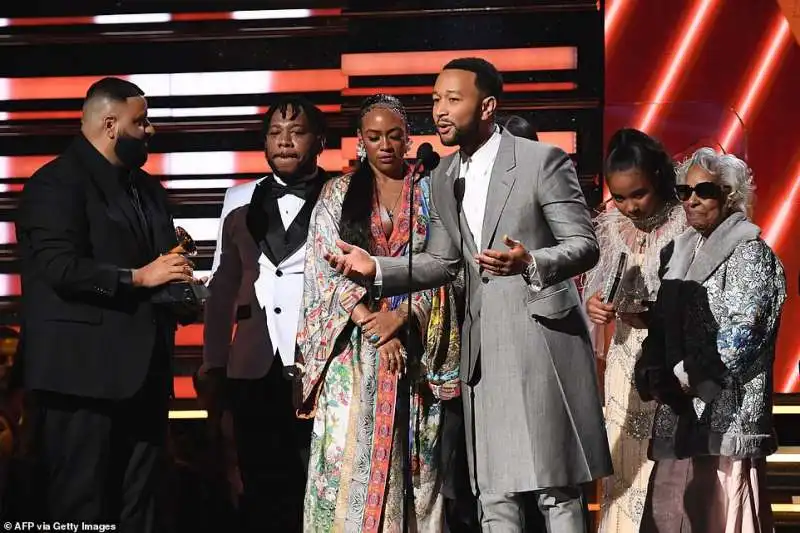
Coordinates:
(530, 275)
(126, 276)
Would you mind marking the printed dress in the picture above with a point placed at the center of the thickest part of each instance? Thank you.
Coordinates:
(355, 481)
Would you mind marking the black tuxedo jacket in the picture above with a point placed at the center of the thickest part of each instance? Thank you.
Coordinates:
(84, 333)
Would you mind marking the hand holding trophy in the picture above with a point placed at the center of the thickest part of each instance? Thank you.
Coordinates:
(187, 248)
(185, 293)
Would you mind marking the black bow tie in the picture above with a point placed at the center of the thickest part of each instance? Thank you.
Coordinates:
(299, 188)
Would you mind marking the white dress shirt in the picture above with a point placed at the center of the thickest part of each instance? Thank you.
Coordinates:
(239, 195)
(289, 205)
(279, 288)
(477, 171)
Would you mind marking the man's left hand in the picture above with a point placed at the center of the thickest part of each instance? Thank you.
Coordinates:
(510, 263)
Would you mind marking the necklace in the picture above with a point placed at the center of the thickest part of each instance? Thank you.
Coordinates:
(390, 212)
(653, 221)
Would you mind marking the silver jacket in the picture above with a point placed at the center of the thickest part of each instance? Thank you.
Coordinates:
(714, 329)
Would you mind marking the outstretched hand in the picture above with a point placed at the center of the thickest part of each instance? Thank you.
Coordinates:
(507, 263)
(354, 262)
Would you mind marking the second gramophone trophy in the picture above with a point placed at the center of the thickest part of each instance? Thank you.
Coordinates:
(183, 294)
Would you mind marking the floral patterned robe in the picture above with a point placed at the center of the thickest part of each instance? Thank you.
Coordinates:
(355, 481)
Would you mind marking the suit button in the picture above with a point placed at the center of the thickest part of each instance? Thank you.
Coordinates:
(277, 310)
(279, 273)
(485, 279)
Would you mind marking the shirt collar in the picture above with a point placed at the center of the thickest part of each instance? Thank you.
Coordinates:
(487, 152)
(309, 179)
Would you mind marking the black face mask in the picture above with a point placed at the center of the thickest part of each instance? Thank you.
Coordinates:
(131, 151)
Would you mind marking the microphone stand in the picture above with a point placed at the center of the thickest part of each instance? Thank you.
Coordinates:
(408, 391)
(425, 162)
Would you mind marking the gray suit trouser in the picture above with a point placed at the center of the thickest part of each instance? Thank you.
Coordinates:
(564, 510)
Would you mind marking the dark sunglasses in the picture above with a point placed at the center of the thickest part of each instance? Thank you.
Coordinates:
(705, 190)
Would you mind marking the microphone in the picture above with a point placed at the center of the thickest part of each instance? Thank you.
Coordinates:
(425, 162)
(427, 159)
(458, 192)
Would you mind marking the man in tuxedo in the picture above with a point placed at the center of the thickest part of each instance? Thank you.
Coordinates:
(512, 212)
(91, 226)
(257, 284)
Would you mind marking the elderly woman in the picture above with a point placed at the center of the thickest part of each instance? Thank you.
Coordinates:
(708, 357)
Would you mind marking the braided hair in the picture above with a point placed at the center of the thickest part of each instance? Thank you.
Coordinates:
(354, 224)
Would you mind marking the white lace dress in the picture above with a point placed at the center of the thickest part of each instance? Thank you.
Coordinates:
(628, 419)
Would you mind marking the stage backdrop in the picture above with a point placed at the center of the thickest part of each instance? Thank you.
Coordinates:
(733, 64)
(211, 69)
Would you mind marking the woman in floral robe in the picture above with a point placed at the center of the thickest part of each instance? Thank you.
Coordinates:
(355, 365)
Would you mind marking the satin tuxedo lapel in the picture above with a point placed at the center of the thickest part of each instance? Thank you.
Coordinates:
(265, 224)
(258, 218)
(297, 233)
(500, 184)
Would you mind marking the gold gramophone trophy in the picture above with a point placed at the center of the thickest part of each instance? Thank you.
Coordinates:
(183, 294)
(186, 245)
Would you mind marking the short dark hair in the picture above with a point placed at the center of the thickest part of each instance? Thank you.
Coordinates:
(115, 89)
(487, 78)
(519, 127)
(630, 148)
(316, 118)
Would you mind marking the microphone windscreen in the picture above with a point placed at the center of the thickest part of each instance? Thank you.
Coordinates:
(427, 156)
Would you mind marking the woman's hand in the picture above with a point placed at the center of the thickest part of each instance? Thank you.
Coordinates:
(394, 355)
(599, 313)
(382, 326)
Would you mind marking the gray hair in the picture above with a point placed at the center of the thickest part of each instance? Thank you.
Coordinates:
(729, 170)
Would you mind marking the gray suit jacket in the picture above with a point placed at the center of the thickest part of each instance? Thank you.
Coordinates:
(526, 353)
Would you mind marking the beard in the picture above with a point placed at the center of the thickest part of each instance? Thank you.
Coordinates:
(132, 152)
(463, 134)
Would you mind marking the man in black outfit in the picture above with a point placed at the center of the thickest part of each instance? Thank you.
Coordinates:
(91, 227)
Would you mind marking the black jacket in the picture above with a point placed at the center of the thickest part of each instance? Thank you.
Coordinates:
(85, 333)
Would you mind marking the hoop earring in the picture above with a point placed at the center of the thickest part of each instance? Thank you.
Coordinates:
(361, 150)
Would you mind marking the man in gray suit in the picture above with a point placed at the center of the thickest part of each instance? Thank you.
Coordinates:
(532, 406)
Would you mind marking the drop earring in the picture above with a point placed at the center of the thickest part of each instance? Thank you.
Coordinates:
(361, 151)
